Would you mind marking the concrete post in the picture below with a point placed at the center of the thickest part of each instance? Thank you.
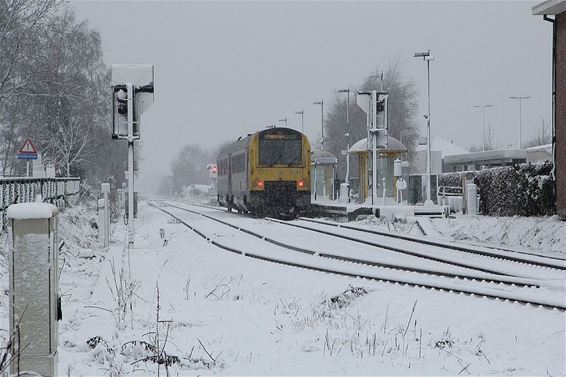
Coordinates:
(34, 286)
(101, 225)
(471, 198)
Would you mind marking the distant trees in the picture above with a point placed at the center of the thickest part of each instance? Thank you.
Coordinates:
(190, 167)
(55, 90)
(542, 136)
(402, 111)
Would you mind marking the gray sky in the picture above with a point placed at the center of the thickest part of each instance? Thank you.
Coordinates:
(226, 69)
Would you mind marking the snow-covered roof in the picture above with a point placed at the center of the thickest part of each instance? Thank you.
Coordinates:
(541, 148)
(393, 145)
(445, 147)
(323, 158)
(25, 211)
(497, 154)
(551, 7)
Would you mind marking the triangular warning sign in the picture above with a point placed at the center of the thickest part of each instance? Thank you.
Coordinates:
(28, 147)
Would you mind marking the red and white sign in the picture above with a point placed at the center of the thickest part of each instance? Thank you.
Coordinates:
(28, 147)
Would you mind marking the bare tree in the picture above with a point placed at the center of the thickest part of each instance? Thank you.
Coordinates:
(542, 136)
(21, 24)
(402, 111)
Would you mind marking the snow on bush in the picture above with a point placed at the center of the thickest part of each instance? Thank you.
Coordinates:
(520, 190)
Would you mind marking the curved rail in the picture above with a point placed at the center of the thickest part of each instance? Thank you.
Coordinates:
(533, 260)
(410, 281)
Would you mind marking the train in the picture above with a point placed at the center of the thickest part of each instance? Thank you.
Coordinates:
(266, 173)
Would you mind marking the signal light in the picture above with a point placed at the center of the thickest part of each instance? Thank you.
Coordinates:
(122, 102)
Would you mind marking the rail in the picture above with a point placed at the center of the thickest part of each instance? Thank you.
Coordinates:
(22, 189)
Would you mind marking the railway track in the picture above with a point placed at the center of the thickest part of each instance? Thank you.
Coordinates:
(471, 282)
(526, 258)
(410, 245)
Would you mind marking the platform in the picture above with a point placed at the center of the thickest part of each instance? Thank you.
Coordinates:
(353, 211)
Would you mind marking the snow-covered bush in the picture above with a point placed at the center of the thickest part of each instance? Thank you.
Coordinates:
(520, 190)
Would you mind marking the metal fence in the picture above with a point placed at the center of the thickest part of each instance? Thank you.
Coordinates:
(21, 190)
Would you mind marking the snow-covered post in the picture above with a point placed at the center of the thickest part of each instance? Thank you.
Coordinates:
(105, 192)
(34, 286)
(101, 232)
(471, 198)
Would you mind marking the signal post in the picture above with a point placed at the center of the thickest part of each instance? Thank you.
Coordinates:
(132, 94)
(374, 104)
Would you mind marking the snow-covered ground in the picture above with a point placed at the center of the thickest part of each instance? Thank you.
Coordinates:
(545, 235)
(221, 313)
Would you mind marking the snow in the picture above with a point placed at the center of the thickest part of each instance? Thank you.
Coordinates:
(135, 74)
(539, 235)
(233, 315)
(24, 211)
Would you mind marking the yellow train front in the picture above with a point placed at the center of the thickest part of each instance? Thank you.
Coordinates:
(266, 173)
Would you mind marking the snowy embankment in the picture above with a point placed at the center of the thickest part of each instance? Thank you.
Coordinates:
(545, 235)
(221, 313)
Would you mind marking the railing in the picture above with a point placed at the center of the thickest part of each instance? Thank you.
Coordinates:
(21, 190)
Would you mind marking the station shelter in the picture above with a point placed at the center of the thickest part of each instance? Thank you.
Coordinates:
(323, 175)
(385, 175)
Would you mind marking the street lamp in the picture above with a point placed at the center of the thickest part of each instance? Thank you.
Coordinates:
(347, 134)
(520, 99)
(427, 57)
(284, 120)
(483, 108)
(321, 103)
(302, 114)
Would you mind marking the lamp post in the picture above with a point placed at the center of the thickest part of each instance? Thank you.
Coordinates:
(347, 134)
(427, 57)
(483, 108)
(302, 114)
(520, 99)
(284, 120)
(321, 103)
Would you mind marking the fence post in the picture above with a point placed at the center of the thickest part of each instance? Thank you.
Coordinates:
(34, 301)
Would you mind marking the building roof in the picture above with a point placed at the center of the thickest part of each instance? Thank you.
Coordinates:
(323, 158)
(541, 148)
(497, 154)
(552, 7)
(393, 145)
(445, 147)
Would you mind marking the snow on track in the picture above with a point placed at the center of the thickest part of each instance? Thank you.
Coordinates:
(231, 239)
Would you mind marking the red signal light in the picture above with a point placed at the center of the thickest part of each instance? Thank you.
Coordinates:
(214, 170)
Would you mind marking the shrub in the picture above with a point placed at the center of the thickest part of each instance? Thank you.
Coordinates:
(521, 190)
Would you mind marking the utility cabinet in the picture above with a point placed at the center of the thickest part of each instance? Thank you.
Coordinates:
(34, 286)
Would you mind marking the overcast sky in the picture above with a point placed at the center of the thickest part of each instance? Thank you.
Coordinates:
(223, 70)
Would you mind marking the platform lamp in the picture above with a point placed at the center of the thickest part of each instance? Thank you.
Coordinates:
(520, 99)
(302, 114)
(321, 103)
(427, 57)
(347, 135)
(483, 107)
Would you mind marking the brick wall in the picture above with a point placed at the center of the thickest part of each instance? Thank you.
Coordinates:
(561, 114)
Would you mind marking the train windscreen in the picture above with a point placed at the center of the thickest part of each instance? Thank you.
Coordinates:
(280, 149)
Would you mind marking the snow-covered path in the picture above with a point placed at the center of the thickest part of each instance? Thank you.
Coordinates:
(254, 317)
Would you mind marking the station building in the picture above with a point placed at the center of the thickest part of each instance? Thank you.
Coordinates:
(557, 9)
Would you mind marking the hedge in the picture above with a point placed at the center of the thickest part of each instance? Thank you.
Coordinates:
(521, 190)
